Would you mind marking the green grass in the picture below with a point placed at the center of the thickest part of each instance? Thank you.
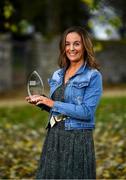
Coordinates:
(29, 115)
(33, 117)
(112, 109)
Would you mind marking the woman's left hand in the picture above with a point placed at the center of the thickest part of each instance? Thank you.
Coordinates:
(41, 100)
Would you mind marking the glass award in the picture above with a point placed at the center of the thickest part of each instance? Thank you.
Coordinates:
(35, 84)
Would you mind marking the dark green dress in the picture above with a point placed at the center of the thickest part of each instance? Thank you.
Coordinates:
(67, 154)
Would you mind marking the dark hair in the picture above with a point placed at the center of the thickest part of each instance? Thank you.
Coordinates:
(88, 48)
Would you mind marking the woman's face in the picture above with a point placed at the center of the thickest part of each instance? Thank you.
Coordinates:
(74, 47)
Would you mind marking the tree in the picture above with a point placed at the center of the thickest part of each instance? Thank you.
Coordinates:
(48, 17)
(120, 9)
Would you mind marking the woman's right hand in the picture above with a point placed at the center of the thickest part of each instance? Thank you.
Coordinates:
(37, 100)
(32, 99)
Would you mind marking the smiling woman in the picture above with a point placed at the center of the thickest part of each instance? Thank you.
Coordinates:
(74, 51)
(74, 47)
(75, 91)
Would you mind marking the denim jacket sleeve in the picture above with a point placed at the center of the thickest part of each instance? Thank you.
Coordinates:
(91, 99)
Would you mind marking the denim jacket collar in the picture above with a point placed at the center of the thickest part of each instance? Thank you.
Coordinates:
(80, 70)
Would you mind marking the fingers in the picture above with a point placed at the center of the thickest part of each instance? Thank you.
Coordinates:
(33, 96)
(34, 99)
(46, 101)
(28, 99)
(39, 102)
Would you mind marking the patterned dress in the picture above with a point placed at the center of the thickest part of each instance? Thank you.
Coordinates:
(67, 154)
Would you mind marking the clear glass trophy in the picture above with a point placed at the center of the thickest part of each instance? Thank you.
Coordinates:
(35, 84)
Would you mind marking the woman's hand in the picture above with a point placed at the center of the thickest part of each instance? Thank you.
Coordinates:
(36, 100)
(31, 99)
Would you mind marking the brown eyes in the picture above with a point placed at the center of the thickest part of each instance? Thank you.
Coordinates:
(75, 44)
(66, 44)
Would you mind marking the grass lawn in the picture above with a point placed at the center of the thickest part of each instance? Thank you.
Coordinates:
(22, 131)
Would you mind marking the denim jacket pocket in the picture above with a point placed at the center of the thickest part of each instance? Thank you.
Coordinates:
(52, 82)
(78, 90)
(80, 84)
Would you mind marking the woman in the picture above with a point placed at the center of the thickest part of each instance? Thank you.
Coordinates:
(75, 90)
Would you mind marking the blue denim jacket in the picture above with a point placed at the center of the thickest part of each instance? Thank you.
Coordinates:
(82, 95)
